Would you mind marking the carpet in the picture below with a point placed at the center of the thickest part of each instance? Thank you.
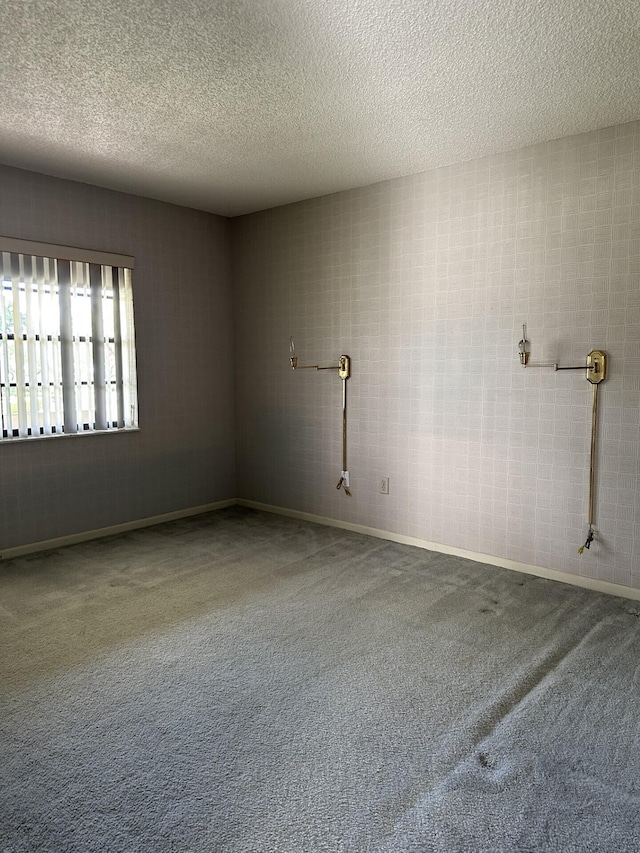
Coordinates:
(240, 681)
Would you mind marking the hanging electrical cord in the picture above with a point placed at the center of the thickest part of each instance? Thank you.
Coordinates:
(343, 482)
(592, 468)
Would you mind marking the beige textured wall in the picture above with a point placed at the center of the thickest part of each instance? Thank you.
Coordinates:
(183, 455)
(425, 281)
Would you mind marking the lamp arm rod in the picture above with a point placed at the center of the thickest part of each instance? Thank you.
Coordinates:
(577, 367)
(296, 366)
(314, 367)
(556, 366)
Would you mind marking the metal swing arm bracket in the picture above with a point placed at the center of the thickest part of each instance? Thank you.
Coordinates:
(596, 365)
(343, 366)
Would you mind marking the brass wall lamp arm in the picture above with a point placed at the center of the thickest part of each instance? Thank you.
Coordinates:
(524, 352)
(596, 371)
(344, 372)
(577, 367)
(343, 366)
(296, 366)
(556, 366)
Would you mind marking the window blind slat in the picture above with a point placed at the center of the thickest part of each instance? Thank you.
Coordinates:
(44, 354)
(16, 275)
(117, 326)
(97, 334)
(129, 378)
(66, 347)
(31, 321)
(52, 330)
(5, 372)
(80, 317)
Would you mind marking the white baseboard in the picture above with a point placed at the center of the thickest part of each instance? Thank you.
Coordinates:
(550, 574)
(98, 533)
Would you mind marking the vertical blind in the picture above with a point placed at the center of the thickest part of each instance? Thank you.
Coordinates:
(67, 348)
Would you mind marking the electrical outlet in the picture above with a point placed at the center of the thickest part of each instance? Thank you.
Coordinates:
(383, 485)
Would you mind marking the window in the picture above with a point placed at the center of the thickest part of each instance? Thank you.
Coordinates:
(67, 349)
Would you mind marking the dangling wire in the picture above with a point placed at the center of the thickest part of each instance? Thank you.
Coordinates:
(341, 482)
(590, 538)
(341, 485)
(592, 470)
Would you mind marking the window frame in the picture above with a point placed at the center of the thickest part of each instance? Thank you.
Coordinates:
(96, 268)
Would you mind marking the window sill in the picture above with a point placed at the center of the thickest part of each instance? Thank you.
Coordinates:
(23, 439)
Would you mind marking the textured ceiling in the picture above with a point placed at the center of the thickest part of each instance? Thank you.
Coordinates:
(239, 105)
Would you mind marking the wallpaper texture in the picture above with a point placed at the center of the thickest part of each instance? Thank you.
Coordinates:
(183, 455)
(425, 282)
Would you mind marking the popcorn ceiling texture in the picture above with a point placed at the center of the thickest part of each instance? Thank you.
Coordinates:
(232, 107)
(183, 454)
(425, 282)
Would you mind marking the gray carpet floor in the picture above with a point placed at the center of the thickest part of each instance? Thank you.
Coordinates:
(245, 682)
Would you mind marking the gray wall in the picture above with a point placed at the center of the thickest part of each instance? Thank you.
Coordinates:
(183, 455)
(425, 282)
